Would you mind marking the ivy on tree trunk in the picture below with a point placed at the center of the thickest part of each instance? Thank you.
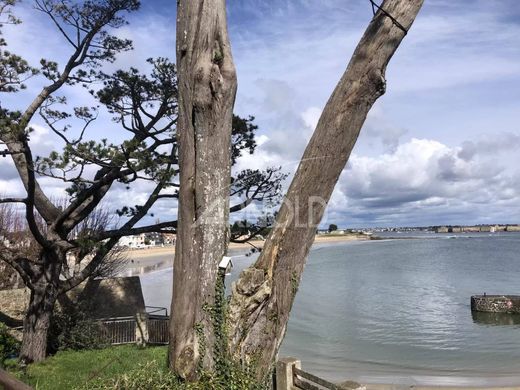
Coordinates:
(207, 87)
(262, 298)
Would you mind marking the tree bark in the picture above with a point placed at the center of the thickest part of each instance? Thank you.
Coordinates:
(263, 296)
(45, 288)
(9, 278)
(36, 325)
(207, 87)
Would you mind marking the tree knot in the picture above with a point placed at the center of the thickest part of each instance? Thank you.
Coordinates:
(250, 281)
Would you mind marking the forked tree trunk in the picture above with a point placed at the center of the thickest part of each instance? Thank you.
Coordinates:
(207, 87)
(263, 296)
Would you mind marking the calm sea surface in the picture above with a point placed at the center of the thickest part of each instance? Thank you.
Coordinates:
(398, 311)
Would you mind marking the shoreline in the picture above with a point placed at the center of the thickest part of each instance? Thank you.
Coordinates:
(146, 260)
(142, 253)
(138, 254)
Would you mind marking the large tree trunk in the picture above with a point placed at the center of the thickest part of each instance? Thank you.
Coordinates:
(44, 294)
(207, 87)
(36, 325)
(263, 296)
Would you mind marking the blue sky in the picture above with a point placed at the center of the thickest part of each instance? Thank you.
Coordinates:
(440, 147)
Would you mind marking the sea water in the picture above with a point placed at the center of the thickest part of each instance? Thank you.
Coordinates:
(398, 310)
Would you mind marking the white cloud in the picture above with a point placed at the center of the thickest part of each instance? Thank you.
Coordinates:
(438, 147)
(311, 116)
(423, 176)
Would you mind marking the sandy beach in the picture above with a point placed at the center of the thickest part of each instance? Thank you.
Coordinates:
(142, 261)
(142, 254)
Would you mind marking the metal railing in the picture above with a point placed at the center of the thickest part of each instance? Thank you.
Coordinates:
(119, 330)
(147, 329)
(158, 329)
(157, 310)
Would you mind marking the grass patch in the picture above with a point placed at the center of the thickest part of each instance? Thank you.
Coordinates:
(124, 368)
(72, 369)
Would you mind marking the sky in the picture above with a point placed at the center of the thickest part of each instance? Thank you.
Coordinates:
(440, 147)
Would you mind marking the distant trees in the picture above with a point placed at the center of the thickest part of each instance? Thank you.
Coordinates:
(207, 331)
(11, 220)
(332, 227)
(69, 242)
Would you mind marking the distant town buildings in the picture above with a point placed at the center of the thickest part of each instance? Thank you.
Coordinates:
(437, 229)
(146, 240)
(477, 229)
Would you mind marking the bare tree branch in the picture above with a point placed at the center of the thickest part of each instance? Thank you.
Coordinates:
(13, 200)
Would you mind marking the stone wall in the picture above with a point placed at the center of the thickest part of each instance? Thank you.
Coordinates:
(496, 303)
(13, 303)
(103, 298)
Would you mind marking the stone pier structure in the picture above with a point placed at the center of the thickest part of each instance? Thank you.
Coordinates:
(496, 303)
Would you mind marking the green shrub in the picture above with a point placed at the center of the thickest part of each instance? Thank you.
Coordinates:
(9, 346)
(235, 377)
(74, 330)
